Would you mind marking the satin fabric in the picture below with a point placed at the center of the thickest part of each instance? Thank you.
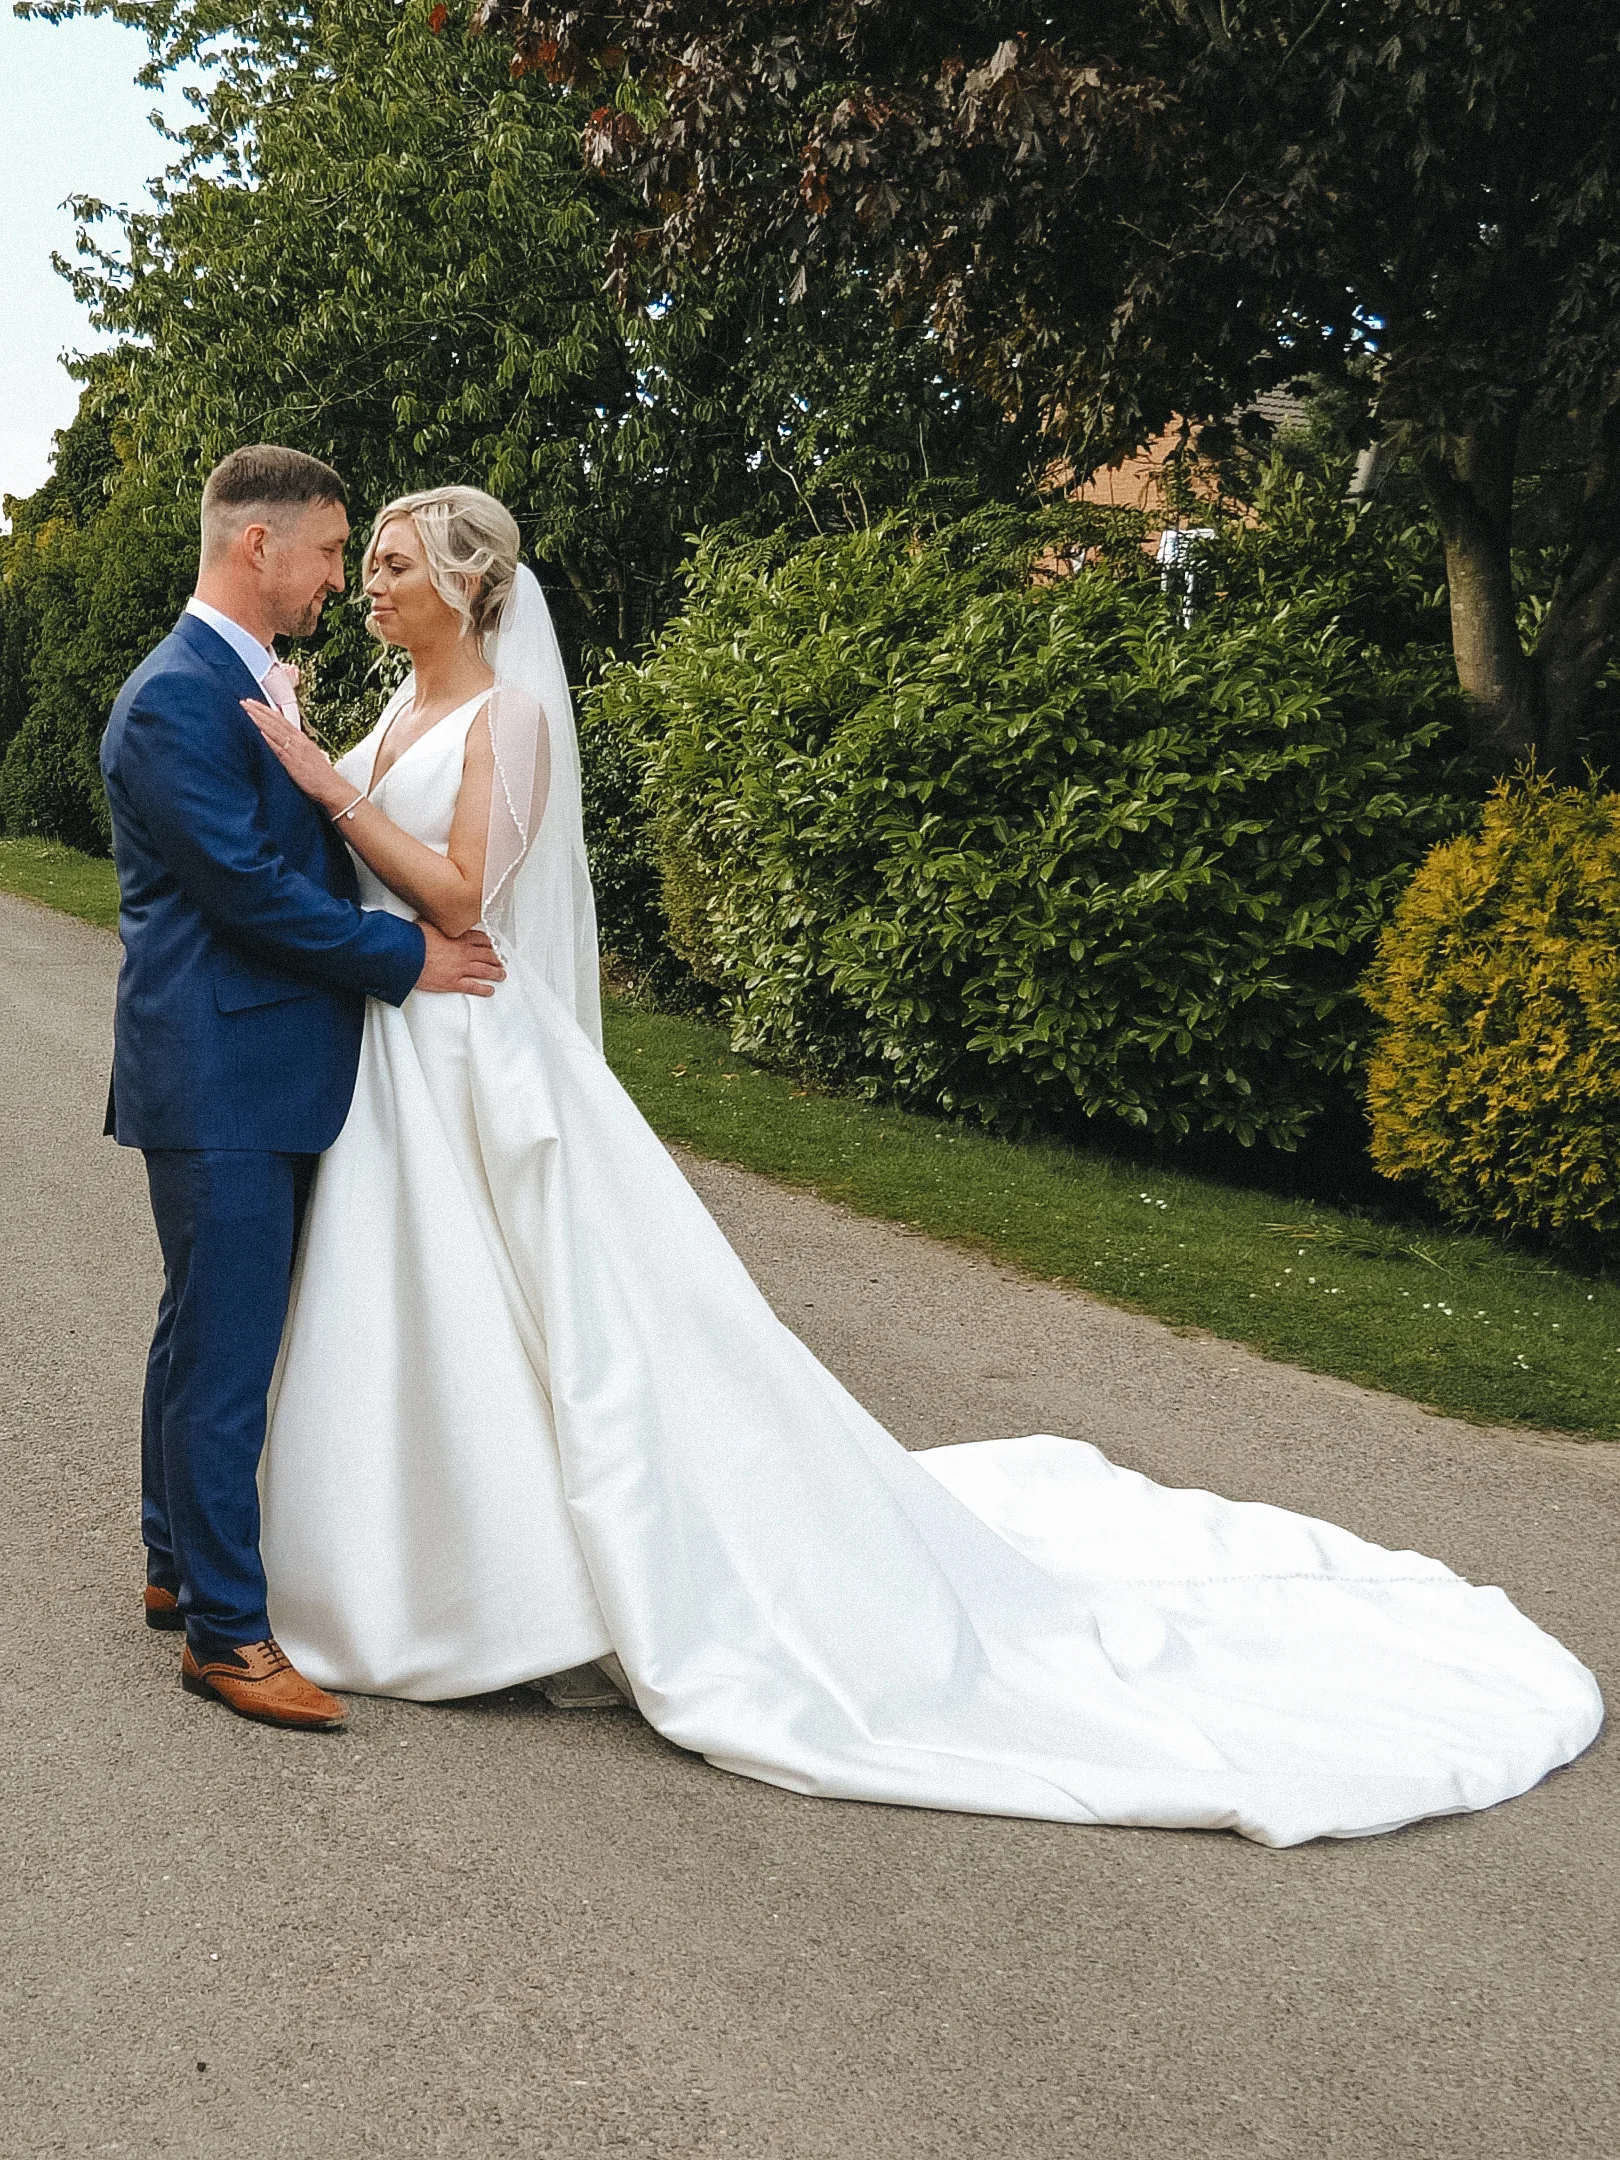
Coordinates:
(531, 1407)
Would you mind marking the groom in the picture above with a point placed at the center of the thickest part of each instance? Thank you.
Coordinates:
(247, 963)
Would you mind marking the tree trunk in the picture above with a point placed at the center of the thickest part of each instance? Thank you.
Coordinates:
(1472, 494)
(1527, 706)
(1582, 623)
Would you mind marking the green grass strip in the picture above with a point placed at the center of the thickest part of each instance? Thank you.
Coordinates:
(1460, 1323)
(81, 885)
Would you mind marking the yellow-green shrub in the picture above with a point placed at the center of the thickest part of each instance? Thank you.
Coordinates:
(1496, 1080)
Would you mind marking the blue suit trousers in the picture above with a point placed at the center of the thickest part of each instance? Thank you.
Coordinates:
(228, 1221)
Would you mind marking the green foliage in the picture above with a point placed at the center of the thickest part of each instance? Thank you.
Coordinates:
(380, 247)
(1016, 844)
(624, 866)
(1496, 1080)
(1140, 209)
(1118, 215)
(95, 569)
(85, 468)
(1373, 567)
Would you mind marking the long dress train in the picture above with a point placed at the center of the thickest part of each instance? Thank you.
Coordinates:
(531, 1407)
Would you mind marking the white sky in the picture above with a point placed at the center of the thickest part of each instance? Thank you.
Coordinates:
(72, 122)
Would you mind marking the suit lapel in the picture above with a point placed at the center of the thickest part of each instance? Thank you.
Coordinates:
(235, 678)
(207, 646)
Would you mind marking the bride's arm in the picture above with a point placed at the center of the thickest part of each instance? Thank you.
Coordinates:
(446, 890)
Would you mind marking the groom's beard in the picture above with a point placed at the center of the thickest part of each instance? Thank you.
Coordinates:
(307, 621)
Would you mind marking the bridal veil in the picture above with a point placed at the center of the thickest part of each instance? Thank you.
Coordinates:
(537, 881)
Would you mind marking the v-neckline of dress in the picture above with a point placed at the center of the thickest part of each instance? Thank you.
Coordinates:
(374, 782)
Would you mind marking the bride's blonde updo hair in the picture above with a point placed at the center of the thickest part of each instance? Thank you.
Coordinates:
(471, 544)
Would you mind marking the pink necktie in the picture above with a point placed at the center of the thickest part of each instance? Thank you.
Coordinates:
(278, 687)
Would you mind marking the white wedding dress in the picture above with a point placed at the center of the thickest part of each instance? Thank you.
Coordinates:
(532, 1408)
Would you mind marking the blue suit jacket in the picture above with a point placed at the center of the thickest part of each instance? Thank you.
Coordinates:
(247, 956)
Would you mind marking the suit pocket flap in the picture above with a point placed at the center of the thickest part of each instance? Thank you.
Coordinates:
(237, 988)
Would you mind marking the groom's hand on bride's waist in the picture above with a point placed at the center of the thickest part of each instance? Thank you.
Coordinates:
(468, 964)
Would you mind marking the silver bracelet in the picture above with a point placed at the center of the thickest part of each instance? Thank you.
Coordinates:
(338, 816)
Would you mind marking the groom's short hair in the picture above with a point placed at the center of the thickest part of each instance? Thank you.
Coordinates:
(263, 477)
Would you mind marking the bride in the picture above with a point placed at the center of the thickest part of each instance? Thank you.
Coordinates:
(532, 1412)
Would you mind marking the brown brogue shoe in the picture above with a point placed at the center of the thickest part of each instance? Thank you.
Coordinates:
(259, 1680)
(163, 1608)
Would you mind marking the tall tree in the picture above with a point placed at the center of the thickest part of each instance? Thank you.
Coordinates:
(378, 245)
(1110, 211)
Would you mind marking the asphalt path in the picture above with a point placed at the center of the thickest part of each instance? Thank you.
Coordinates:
(489, 1928)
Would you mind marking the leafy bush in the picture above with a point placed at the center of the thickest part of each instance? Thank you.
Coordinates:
(1496, 1080)
(50, 786)
(1016, 844)
(624, 861)
(1374, 565)
(89, 580)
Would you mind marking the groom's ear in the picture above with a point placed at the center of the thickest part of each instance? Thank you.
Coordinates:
(253, 541)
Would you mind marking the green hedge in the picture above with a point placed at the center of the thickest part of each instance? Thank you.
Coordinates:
(1495, 1083)
(1016, 844)
(87, 586)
